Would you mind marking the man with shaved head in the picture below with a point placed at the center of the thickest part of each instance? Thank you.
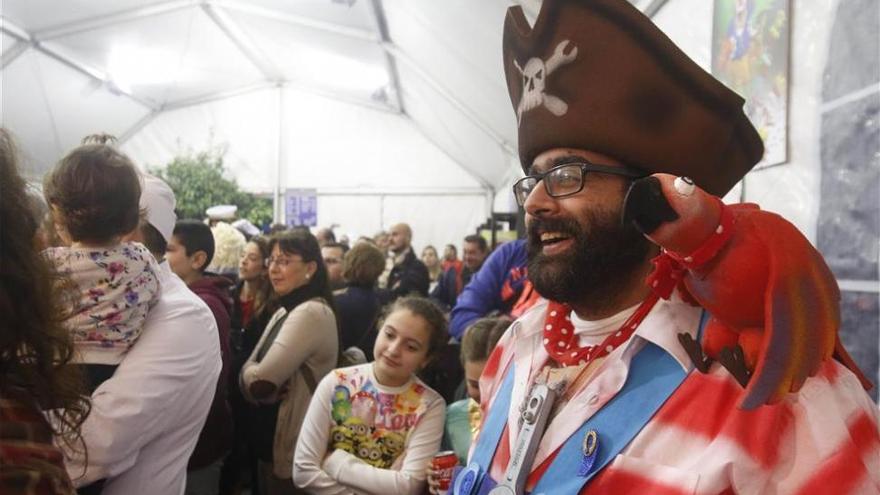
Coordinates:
(408, 275)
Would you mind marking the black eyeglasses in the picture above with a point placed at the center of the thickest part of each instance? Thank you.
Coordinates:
(567, 179)
(280, 261)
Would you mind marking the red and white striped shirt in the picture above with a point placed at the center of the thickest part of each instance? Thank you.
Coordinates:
(824, 439)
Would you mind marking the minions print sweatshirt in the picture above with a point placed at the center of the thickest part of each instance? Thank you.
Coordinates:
(360, 437)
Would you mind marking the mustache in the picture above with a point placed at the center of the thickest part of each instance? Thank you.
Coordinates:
(567, 226)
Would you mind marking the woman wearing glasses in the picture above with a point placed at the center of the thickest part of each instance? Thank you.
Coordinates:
(298, 347)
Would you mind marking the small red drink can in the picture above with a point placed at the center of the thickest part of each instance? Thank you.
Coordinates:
(443, 465)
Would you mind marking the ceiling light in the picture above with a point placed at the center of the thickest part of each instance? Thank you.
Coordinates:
(131, 66)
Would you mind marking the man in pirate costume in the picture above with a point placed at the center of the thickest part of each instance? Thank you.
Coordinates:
(592, 390)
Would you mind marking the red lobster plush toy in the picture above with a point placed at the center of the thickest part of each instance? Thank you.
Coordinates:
(774, 303)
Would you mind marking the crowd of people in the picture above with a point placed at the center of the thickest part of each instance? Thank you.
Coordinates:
(176, 373)
(145, 354)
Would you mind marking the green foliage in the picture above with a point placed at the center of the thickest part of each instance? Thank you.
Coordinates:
(199, 181)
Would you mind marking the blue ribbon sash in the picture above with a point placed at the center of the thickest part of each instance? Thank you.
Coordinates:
(653, 377)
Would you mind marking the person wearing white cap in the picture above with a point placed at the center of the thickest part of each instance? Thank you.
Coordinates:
(246, 227)
(146, 418)
(221, 213)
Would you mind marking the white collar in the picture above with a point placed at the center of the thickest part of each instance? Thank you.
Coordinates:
(165, 272)
(592, 332)
(661, 327)
(664, 323)
(385, 388)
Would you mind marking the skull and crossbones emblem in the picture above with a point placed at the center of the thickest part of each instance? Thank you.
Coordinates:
(534, 79)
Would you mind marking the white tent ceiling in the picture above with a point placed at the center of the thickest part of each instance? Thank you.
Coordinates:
(76, 66)
(351, 97)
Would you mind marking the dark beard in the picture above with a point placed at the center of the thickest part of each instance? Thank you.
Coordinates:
(601, 262)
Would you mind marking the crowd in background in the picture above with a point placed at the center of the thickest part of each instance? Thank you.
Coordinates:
(207, 356)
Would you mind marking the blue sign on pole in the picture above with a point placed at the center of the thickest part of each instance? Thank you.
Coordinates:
(301, 207)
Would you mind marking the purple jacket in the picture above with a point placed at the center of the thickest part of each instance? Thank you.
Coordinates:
(215, 440)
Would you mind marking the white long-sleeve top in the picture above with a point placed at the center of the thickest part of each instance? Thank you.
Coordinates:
(360, 437)
(146, 418)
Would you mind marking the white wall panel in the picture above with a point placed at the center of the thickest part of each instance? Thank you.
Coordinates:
(348, 13)
(40, 14)
(246, 125)
(436, 220)
(333, 144)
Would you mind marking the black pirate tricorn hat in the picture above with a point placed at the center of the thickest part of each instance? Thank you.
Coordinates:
(599, 75)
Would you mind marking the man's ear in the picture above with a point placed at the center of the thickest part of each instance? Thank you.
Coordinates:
(198, 261)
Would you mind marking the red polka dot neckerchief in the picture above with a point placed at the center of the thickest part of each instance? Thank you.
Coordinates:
(560, 340)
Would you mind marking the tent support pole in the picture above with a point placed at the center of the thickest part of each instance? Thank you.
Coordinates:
(136, 127)
(382, 212)
(413, 192)
(266, 85)
(490, 207)
(277, 205)
(341, 97)
(13, 53)
(220, 95)
(447, 95)
(22, 35)
(98, 22)
(652, 8)
(250, 51)
(378, 12)
(297, 20)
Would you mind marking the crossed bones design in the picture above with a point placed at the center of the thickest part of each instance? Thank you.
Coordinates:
(535, 76)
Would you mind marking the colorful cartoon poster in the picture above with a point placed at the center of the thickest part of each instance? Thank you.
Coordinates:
(750, 46)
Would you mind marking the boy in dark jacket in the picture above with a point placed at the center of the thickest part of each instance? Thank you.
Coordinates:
(189, 252)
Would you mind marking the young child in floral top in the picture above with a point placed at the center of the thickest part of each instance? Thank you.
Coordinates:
(374, 428)
(109, 286)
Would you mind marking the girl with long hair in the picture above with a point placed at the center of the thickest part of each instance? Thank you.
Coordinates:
(249, 316)
(252, 293)
(432, 262)
(36, 351)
